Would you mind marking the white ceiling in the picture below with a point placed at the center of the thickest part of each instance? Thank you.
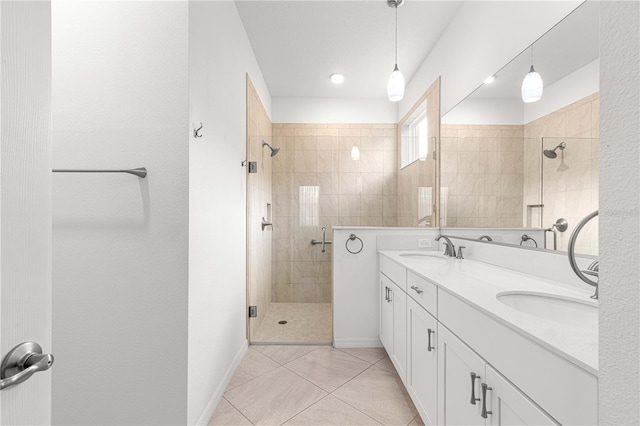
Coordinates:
(298, 44)
(567, 47)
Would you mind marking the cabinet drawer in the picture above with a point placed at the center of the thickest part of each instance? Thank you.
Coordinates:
(394, 271)
(424, 292)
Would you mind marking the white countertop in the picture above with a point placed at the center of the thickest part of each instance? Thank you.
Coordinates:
(478, 283)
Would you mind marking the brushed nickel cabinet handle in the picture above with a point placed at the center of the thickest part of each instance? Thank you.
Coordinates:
(484, 413)
(474, 376)
(429, 347)
(417, 289)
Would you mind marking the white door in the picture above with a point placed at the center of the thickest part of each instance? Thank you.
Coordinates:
(25, 201)
(422, 361)
(386, 314)
(507, 406)
(399, 356)
(460, 373)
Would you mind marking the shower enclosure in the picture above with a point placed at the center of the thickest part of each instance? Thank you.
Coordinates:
(317, 183)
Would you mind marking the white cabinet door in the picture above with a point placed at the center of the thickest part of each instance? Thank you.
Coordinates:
(422, 361)
(458, 393)
(399, 355)
(386, 314)
(506, 405)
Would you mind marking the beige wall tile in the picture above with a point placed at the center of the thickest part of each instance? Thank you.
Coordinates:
(320, 155)
(372, 161)
(305, 161)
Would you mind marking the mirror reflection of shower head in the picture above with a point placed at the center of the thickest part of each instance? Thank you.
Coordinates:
(551, 153)
(274, 151)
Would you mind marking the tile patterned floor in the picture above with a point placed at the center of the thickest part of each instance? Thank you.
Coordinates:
(315, 385)
(306, 323)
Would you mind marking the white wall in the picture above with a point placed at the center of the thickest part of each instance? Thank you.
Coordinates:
(575, 86)
(120, 252)
(356, 283)
(486, 111)
(619, 378)
(333, 110)
(511, 25)
(220, 56)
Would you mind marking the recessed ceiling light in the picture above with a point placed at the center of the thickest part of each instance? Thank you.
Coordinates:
(337, 78)
(490, 79)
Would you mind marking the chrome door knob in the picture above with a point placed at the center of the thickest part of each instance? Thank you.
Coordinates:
(22, 362)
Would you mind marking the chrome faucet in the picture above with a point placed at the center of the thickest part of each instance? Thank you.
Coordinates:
(485, 237)
(450, 249)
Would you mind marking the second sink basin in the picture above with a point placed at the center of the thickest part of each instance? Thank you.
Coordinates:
(423, 255)
(575, 312)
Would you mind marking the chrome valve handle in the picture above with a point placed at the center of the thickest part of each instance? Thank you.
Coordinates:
(22, 362)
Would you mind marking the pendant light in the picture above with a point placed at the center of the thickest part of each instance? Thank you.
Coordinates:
(395, 86)
(532, 84)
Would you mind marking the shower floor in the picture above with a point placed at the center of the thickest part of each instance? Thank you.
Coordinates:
(307, 323)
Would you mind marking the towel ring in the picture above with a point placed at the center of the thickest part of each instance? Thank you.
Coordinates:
(353, 237)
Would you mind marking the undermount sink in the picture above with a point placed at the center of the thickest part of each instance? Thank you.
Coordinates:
(565, 310)
(424, 255)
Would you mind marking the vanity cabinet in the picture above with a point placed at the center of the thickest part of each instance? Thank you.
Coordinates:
(422, 361)
(393, 324)
(461, 366)
(474, 393)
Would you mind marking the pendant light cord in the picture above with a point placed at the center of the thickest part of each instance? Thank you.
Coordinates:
(532, 54)
(396, 7)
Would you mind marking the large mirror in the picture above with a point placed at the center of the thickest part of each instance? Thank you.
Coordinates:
(506, 163)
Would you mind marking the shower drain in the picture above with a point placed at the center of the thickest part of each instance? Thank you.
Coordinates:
(282, 322)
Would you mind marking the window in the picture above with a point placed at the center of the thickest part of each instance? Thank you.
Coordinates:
(414, 137)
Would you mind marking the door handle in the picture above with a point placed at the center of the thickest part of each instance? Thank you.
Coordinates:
(22, 362)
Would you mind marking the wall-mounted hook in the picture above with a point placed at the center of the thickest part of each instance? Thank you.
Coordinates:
(196, 132)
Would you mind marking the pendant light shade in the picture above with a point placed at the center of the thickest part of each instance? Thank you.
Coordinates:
(532, 86)
(395, 86)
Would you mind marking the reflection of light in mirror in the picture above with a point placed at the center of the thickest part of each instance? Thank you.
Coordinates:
(490, 79)
(425, 201)
(355, 153)
(444, 203)
(309, 205)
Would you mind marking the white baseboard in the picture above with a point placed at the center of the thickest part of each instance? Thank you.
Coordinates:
(357, 342)
(215, 399)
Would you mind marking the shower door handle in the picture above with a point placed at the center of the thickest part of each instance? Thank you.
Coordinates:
(324, 242)
(22, 362)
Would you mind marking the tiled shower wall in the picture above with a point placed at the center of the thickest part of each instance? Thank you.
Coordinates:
(570, 181)
(317, 184)
(491, 174)
(481, 175)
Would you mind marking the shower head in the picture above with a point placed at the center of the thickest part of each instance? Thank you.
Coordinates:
(274, 151)
(551, 153)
